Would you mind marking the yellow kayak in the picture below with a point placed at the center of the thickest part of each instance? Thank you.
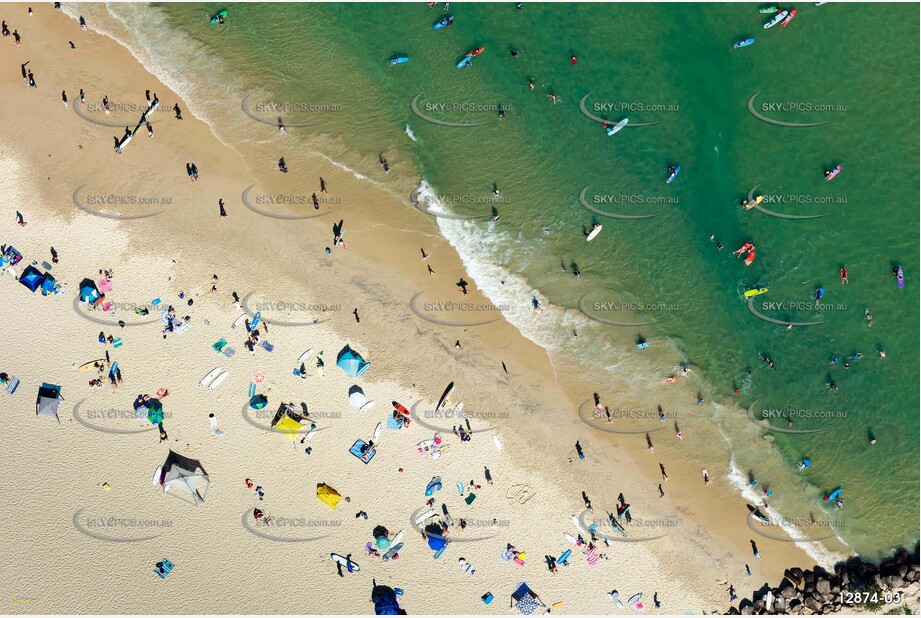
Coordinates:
(755, 292)
(752, 203)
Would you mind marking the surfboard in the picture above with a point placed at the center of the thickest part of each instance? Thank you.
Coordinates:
(311, 433)
(755, 292)
(306, 356)
(440, 551)
(578, 524)
(617, 127)
(256, 319)
(367, 406)
(396, 539)
(205, 381)
(90, 364)
(400, 408)
(593, 233)
(377, 432)
(425, 516)
(457, 410)
(238, 321)
(564, 556)
(394, 549)
(460, 488)
(570, 538)
(320, 372)
(444, 396)
(348, 564)
(497, 442)
(217, 381)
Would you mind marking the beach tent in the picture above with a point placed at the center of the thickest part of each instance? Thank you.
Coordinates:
(49, 397)
(288, 426)
(184, 478)
(47, 284)
(385, 601)
(154, 411)
(357, 396)
(88, 291)
(327, 495)
(526, 600)
(257, 402)
(351, 362)
(32, 278)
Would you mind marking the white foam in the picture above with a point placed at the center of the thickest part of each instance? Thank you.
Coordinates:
(409, 133)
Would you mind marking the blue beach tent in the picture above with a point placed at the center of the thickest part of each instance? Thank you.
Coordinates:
(351, 362)
(32, 278)
(88, 291)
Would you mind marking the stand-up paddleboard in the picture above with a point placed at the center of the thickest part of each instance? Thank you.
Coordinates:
(394, 550)
(216, 18)
(755, 292)
(238, 321)
(377, 433)
(593, 233)
(466, 62)
(205, 381)
(672, 176)
(399, 60)
(218, 381)
(833, 495)
(744, 43)
(769, 9)
(570, 538)
(779, 17)
(306, 356)
(497, 442)
(833, 173)
(444, 396)
(352, 567)
(90, 365)
(426, 516)
(617, 127)
(443, 23)
(788, 19)
(367, 406)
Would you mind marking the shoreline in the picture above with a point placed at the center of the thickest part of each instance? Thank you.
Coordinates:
(363, 232)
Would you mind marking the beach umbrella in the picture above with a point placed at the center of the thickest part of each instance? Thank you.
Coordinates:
(327, 495)
(382, 543)
(257, 402)
(357, 396)
(351, 362)
(154, 411)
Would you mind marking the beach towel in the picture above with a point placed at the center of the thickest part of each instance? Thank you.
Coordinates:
(591, 557)
(219, 345)
(527, 605)
(12, 385)
(267, 346)
(368, 454)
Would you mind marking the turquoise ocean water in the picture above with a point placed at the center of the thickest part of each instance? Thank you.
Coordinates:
(852, 66)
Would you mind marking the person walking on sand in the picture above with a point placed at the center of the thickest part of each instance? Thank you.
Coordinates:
(82, 97)
(429, 266)
(487, 474)
(755, 548)
(178, 111)
(54, 256)
(662, 470)
(20, 220)
(149, 129)
(82, 23)
(32, 83)
(706, 476)
(661, 491)
(25, 73)
(355, 313)
(64, 97)
(220, 205)
(588, 503)
(17, 38)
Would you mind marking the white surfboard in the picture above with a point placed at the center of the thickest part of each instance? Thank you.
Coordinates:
(238, 321)
(425, 445)
(218, 381)
(320, 372)
(497, 442)
(617, 127)
(367, 406)
(377, 433)
(457, 410)
(348, 564)
(593, 233)
(205, 381)
(425, 516)
(578, 524)
(156, 476)
(569, 538)
(397, 538)
(311, 434)
(306, 356)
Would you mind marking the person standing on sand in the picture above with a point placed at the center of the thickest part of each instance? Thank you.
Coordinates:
(19, 219)
(178, 111)
(32, 83)
(487, 474)
(64, 97)
(54, 256)
(82, 97)
(706, 476)
(323, 186)
(355, 313)
(220, 205)
(755, 548)
(588, 503)
(25, 74)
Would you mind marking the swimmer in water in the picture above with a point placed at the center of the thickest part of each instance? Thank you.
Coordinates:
(552, 97)
(531, 84)
(843, 273)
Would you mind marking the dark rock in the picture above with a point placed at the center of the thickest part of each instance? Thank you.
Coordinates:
(746, 611)
(813, 604)
(795, 575)
(892, 582)
(823, 587)
(787, 590)
(780, 605)
(758, 605)
(808, 577)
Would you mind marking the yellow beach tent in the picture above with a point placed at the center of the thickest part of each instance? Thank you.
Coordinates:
(288, 426)
(328, 495)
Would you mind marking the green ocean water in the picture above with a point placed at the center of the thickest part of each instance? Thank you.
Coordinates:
(672, 65)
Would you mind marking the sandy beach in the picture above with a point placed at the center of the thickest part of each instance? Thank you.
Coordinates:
(79, 547)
